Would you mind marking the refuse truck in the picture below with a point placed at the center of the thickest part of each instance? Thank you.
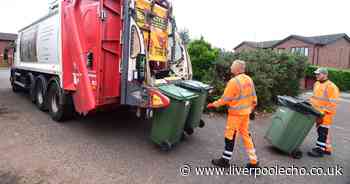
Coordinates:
(88, 55)
(291, 124)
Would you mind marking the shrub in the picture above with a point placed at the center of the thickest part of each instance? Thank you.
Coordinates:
(273, 74)
(203, 57)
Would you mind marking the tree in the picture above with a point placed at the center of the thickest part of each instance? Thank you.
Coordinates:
(185, 36)
(203, 57)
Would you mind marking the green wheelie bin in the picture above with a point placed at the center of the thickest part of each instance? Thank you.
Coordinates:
(194, 119)
(168, 123)
(291, 124)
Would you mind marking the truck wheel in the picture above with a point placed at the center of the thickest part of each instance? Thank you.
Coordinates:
(15, 87)
(60, 104)
(40, 93)
(31, 86)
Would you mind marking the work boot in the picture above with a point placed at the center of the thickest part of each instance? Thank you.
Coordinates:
(221, 162)
(252, 166)
(316, 152)
(324, 152)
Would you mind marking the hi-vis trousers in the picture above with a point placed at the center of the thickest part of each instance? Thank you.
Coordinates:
(239, 125)
(323, 131)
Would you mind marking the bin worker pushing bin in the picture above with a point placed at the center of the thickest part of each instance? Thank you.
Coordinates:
(324, 99)
(241, 99)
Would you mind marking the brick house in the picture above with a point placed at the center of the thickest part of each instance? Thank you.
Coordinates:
(6, 53)
(327, 50)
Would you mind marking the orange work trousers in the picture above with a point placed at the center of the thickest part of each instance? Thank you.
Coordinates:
(239, 125)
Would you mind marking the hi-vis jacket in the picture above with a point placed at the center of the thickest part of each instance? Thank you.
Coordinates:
(325, 97)
(239, 96)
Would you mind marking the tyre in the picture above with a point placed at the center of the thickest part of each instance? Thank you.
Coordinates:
(189, 131)
(40, 93)
(183, 137)
(165, 146)
(297, 154)
(31, 86)
(60, 105)
(15, 87)
(201, 124)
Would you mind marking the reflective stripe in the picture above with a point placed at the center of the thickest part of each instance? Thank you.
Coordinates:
(240, 107)
(327, 108)
(225, 157)
(239, 84)
(322, 148)
(325, 126)
(324, 99)
(251, 151)
(229, 99)
(241, 96)
(228, 152)
(320, 143)
(253, 158)
(252, 155)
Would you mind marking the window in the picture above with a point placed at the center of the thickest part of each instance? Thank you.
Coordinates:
(135, 48)
(280, 50)
(178, 50)
(293, 50)
(306, 53)
(300, 50)
(28, 47)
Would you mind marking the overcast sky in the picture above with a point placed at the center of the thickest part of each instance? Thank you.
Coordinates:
(224, 23)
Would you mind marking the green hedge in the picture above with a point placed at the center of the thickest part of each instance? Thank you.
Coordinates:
(340, 77)
(273, 74)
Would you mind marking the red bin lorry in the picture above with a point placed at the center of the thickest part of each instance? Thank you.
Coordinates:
(87, 55)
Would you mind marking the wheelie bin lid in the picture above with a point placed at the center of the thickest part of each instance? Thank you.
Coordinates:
(298, 105)
(177, 93)
(194, 85)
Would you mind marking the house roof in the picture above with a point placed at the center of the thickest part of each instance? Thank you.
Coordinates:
(317, 40)
(8, 36)
(262, 45)
(314, 40)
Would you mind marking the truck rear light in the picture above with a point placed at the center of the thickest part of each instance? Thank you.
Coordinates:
(158, 100)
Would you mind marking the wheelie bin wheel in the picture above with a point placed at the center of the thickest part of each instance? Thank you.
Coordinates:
(183, 136)
(201, 124)
(165, 146)
(189, 131)
(297, 154)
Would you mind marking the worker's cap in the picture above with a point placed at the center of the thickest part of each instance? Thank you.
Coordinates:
(321, 70)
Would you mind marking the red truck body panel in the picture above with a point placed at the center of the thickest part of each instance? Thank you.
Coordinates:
(91, 27)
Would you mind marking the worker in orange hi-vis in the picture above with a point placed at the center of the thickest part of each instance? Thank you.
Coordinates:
(324, 99)
(241, 99)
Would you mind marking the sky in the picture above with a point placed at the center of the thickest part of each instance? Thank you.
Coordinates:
(224, 23)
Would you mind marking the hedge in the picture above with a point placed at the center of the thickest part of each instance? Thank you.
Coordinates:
(340, 77)
(273, 74)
